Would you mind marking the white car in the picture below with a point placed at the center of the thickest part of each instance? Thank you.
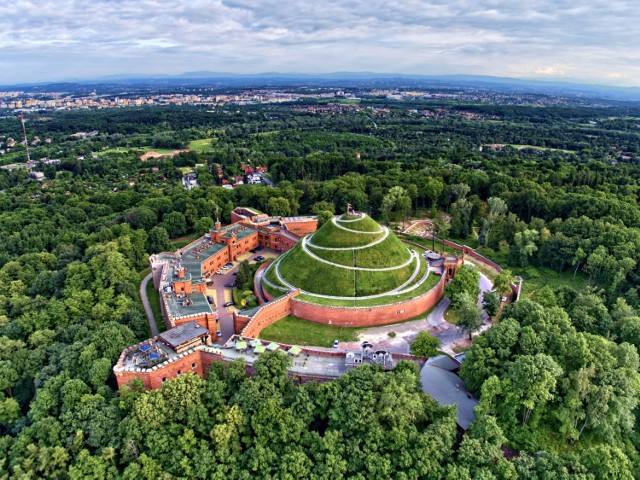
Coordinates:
(219, 272)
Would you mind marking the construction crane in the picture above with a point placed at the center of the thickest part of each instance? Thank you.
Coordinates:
(26, 143)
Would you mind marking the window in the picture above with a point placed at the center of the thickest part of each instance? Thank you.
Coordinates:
(179, 372)
(164, 379)
(193, 365)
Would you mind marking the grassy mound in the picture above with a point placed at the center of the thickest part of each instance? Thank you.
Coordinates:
(300, 269)
(388, 253)
(364, 224)
(329, 235)
(304, 272)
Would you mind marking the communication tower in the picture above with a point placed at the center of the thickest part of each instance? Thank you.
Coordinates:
(26, 143)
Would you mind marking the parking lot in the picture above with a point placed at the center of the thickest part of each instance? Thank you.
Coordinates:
(222, 286)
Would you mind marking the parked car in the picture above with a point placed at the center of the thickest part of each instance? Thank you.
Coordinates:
(220, 272)
(226, 267)
(253, 250)
(228, 304)
(259, 258)
(336, 343)
(211, 300)
(259, 247)
(230, 265)
(229, 285)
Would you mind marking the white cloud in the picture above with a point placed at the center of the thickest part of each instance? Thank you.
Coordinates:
(56, 39)
(549, 71)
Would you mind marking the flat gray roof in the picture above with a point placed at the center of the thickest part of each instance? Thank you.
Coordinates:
(182, 334)
(194, 303)
(206, 250)
(444, 362)
(447, 388)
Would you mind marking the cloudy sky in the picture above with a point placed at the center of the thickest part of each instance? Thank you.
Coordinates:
(590, 40)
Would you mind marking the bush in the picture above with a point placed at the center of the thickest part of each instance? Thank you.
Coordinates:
(234, 294)
(425, 345)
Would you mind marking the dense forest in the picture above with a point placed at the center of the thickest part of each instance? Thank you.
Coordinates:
(549, 192)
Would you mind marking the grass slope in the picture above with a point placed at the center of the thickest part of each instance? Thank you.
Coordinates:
(332, 236)
(296, 331)
(389, 253)
(304, 272)
(365, 224)
(307, 273)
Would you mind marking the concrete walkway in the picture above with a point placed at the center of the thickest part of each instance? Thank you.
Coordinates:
(403, 334)
(147, 307)
(436, 317)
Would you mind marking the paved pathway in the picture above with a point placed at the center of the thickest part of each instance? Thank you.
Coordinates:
(436, 317)
(147, 306)
(405, 333)
(225, 314)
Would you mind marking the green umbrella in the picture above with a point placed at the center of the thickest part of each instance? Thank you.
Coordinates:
(294, 351)
(259, 349)
(241, 345)
(273, 346)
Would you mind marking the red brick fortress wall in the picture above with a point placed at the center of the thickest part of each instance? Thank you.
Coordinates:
(196, 361)
(269, 313)
(481, 258)
(368, 316)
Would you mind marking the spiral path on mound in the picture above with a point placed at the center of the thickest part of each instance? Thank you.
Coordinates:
(401, 269)
(402, 289)
(305, 248)
(336, 223)
(368, 245)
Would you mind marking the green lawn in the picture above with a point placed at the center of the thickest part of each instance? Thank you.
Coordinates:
(364, 224)
(180, 242)
(136, 149)
(296, 331)
(534, 147)
(203, 145)
(307, 273)
(452, 316)
(537, 277)
(428, 285)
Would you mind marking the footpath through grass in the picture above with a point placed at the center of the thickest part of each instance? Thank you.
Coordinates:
(296, 331)
(154, 300)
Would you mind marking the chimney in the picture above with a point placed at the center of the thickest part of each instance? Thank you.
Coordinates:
(181, 272)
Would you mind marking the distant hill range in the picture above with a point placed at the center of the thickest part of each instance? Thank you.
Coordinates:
(350, 80)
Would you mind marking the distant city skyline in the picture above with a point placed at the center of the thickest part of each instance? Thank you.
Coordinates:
(588, 42)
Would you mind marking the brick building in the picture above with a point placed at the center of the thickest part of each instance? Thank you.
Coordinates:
(181, 277)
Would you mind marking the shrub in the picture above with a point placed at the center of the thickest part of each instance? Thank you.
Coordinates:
(425, 345)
